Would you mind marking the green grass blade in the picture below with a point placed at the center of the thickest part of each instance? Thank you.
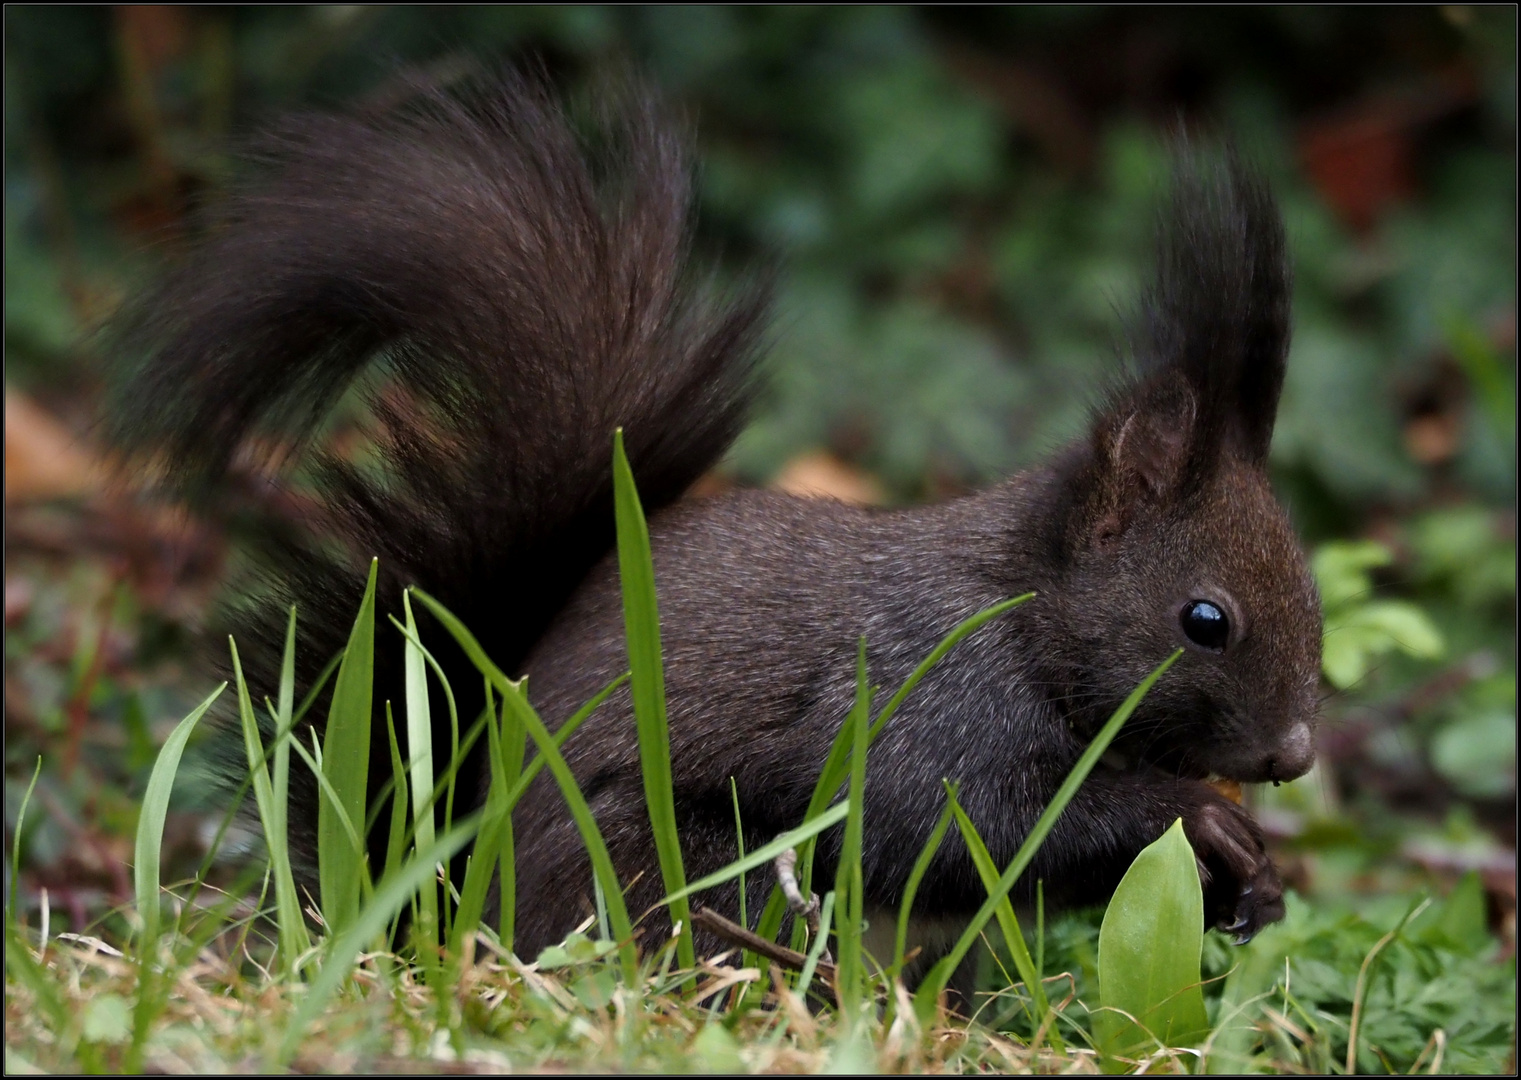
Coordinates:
(848, 877)
(494, 675)
(836, 762)
(283, 717)
(347, 832)
(987, 870)
(276, 835)
(396, 838)
(346, 767)
(420, 753)
(150, 824)
(564, 732)
(816, 950)
(951, 640)
(739, 843)
(290, 923)
(317, 686)
(641, 621)
(514, 747)
(514, 739)
(599, 896)
(767, 853)
(16, 841)
(441, 785)
(368, 925)
(527, 775)
(939, 976)
(833, 774)
(1486, 373)
(488, 842)
(748, 958)
(591, 836)
(41, 980)
(915, 876)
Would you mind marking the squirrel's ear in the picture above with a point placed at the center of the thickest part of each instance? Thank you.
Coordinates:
(1142, 450)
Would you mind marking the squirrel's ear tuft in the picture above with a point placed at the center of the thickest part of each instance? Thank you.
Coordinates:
(1209, 342)
(1217, 314)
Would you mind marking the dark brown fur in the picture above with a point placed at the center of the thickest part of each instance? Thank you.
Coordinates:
(524, 305)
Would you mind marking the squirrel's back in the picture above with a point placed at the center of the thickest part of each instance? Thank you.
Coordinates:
(503, 293)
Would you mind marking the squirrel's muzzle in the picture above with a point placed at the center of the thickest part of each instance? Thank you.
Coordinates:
(1289, 758)
(1278, 760)
(1294, 755)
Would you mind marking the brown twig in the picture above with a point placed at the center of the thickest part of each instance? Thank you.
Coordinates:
(736, 934)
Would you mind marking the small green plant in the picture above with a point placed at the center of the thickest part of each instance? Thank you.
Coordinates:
(1148, 955)
(1360, 628)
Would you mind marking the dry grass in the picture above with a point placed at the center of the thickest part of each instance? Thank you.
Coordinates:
(221, 1014)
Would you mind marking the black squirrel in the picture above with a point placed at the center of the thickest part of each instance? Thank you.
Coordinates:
(508, 292)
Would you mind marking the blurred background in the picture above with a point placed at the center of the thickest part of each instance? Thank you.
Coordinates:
(961, 202)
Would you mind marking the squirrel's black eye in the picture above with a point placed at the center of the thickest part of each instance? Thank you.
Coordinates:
(1205, 624)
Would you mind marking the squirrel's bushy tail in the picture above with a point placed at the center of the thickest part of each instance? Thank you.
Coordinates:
(502, 294)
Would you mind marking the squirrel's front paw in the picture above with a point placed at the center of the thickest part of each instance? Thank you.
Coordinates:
(1242, 891)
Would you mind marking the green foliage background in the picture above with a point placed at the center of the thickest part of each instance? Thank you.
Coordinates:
(954, 256)
(960, 203)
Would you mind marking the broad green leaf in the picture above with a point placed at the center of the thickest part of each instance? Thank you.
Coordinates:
(1341, 570)
(1461, 921)
(1477, 753)
(1345, 658)
(716, 1052)
(1360, 633)
(1406, 626)
(1149, 949)
(577, 948)
(1467, 549)
(107, 1019)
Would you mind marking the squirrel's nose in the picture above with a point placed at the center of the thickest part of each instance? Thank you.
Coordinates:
(1293, 756)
